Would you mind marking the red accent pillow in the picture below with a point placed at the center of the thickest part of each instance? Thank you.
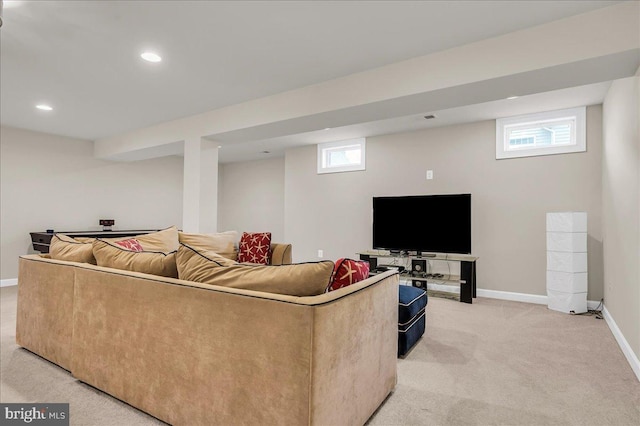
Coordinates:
(347, 272)
(255, 247)
(130, 244)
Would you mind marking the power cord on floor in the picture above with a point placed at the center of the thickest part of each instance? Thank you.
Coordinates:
(597, 312)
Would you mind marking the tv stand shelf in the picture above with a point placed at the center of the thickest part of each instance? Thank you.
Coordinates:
(446, 278)
(466, 279)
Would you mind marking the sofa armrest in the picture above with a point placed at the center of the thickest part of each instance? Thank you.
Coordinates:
(280, 254)
(354, 352)
(44, 319)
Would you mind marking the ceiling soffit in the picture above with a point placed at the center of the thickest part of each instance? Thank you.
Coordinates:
(605, 68)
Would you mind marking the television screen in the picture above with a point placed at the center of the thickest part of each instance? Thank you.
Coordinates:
(424, 223)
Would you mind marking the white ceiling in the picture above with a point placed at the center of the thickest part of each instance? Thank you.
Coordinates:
(82, 57)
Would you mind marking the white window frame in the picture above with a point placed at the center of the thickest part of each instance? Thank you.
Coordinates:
(575, 116)
(325, 148)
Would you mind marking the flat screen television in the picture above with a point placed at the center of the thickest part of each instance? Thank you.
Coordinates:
(423, 223)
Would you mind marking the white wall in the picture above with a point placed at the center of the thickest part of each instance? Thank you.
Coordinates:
(53, 182)
(621, 207)
(251, 197)
(509, 198)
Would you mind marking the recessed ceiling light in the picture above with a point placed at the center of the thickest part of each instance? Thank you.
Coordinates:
(151, 57)
(327, 128)
(44, 107)
(219, 146)
(512, 97)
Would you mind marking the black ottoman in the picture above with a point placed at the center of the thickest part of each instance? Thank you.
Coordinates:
(411, 317)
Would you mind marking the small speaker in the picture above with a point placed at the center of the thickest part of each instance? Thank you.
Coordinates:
(418, 266)
(419, 284)
(373, 261)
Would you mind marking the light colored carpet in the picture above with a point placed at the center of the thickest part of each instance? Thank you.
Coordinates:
(508, 363)
(490, 363)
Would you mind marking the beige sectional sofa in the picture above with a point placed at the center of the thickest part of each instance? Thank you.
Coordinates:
(200, 354)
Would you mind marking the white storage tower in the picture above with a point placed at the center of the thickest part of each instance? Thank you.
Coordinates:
(567, 261)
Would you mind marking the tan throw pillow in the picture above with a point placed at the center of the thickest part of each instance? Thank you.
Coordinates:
(149, 262)
(301, 279)
(63, 247)
(165, 241)
(223, 243)
(85, 239)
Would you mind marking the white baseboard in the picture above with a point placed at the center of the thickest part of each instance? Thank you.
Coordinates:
(8, 282)
(524, 297)
(632, 358)
(503, 295)
(516, 297)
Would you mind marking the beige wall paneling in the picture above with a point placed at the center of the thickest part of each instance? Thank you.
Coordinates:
(251, 197)
(510, 198)
(53, 182)
(621, 208)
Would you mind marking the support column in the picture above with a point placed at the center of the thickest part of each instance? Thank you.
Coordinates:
(200, 187)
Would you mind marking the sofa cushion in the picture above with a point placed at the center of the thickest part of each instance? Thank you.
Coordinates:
(111, 255)
(280, 254)
(255, 247)
(85, 239)
(347, 272)
(164, 241)
(63, 247)
(223, 243)
(302, 279)
(130, 244)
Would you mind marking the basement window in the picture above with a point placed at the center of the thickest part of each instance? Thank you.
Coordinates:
(545, 133)
(341, 156)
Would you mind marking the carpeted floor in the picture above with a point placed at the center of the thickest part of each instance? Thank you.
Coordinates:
(490, 363)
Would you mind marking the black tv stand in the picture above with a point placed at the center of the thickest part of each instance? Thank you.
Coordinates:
(466, 280)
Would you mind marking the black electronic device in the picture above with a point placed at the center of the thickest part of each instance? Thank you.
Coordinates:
(419, 284)
(418, 266)
(423, 223)
(383, 268)
(107, 224)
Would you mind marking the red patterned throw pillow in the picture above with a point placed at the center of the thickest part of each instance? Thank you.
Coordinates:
(130, 244)
(347, 272)
(255, 248)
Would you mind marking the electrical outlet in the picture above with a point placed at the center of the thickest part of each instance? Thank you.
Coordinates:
(429, 174)
(320, 254)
